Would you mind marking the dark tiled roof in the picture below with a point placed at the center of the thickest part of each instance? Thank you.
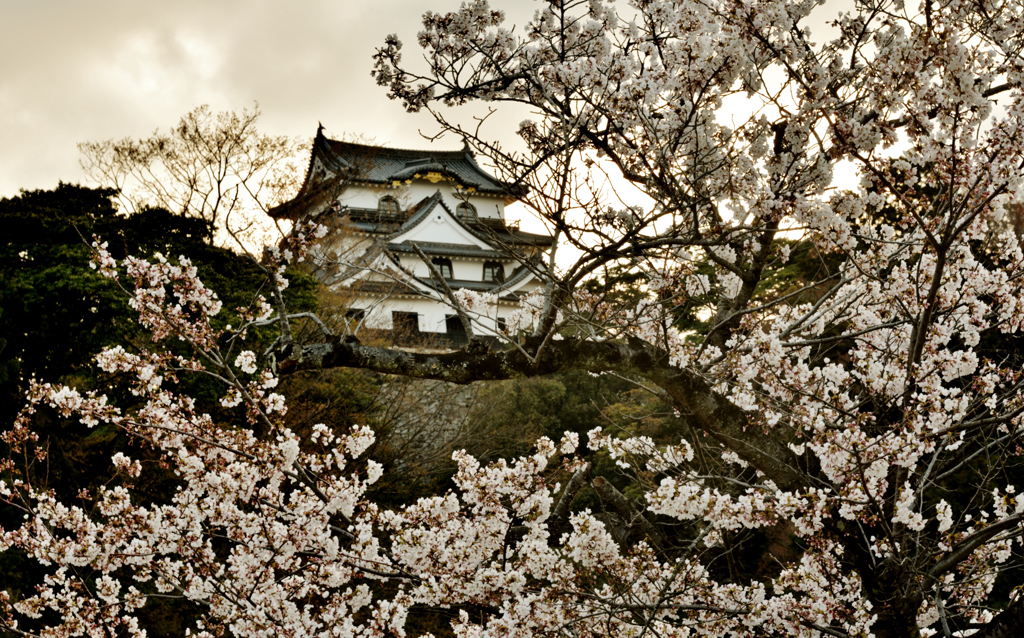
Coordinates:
(382, 288)
(421, 211)
(458, 250)
(383, 165)
(519, 274)
(508, 235)
(309, 197)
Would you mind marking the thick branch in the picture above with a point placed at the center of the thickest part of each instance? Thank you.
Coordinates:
(559, 521)
(634, 520)
(1009, 623)
(968, 545)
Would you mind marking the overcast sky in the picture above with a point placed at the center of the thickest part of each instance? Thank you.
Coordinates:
(74, 71)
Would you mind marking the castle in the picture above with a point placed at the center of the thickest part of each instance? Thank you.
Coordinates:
(409, 230)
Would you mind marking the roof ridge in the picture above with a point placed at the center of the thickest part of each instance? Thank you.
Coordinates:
(391, 150)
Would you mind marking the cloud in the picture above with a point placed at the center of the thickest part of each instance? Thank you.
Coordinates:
(74, 71)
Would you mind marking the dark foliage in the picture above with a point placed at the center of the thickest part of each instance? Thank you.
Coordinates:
(56, 313)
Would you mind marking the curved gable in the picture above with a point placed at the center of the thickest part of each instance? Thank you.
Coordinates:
(434, 223)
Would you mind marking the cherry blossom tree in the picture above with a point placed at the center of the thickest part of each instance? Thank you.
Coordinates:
(870, 408)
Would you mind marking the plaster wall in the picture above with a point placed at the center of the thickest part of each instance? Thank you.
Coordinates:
(431, 315)
(465, 269)
(367, 196)
(440, 227)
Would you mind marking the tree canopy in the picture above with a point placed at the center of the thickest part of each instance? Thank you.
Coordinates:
(56, 313)
(218, 167)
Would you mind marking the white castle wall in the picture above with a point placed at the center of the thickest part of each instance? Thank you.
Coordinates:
(363, 196)
(432, 315)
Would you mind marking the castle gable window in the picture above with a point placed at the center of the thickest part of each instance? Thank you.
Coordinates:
(388, 205)
(444, 266)
(494, 271)
(466, 212)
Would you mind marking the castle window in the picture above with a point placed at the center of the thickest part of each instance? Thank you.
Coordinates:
(494, 271)
(444, 266)
(405, 328)
(407, 323)
(455, 331)
(466, 212)
(453, 325)
(389, 205)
